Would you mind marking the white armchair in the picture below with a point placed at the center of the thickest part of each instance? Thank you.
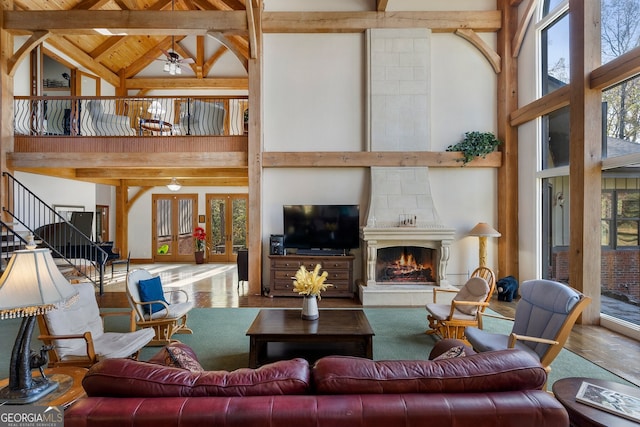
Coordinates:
(76, 333)
(202, 118)
(105, 124)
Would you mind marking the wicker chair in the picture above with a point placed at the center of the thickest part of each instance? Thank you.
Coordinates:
(450, 320)
(170, 319)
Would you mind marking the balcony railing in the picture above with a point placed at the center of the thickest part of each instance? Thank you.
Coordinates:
(72, 116)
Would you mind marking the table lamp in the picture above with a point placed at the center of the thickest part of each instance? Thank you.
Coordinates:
(31, 285)
(483, 230)
(156, 110)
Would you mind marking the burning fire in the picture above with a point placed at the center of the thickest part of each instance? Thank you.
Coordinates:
(405, 268)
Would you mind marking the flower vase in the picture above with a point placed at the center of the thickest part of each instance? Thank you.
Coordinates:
(199, 257)
(310, 307)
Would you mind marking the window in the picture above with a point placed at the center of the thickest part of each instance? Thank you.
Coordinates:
(620, 27)
(620, 219)
(550, 5)
(621, 104)
(555, 54)
(555, 133)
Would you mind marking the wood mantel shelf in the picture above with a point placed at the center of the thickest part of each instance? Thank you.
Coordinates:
(376, 158)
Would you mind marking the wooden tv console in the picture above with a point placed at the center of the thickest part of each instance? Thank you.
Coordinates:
(339, 268)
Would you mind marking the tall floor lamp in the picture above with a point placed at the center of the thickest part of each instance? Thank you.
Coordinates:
(483, 230)
(31, 285)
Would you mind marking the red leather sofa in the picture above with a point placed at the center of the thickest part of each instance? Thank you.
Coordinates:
(493, 389)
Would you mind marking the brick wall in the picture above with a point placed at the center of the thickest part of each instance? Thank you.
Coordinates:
(620, 274)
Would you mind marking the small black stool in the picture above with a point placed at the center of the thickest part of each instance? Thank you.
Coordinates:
(243, 266)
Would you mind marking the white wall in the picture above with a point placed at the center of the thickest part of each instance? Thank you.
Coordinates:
(314, 100)
(60, 191)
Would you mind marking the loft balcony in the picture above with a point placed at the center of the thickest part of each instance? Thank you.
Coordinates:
(129, 124)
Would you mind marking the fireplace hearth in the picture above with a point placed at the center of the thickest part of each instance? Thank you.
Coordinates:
(405, 264)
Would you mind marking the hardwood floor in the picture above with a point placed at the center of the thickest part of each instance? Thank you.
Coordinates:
(216, 285)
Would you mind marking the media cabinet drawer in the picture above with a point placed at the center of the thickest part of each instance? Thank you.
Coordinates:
(284, 274)
(339, 273)
(336, 265)
(285, 263)
(334, 276)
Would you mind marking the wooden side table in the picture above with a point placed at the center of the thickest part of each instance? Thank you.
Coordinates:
(69, 389)
(582, 415)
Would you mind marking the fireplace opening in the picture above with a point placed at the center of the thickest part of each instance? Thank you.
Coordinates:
(405, 264)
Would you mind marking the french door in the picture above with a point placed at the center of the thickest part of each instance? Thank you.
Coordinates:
(174, 217)
(226, 225)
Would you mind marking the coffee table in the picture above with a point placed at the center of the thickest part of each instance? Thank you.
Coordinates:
(582, 415)
(278, 334)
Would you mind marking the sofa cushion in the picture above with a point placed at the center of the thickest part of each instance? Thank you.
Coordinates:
(131, 378)
(178, 358)
(177, 355)
(451, 353)
(505, 370)
(151, 290)
(446, 344)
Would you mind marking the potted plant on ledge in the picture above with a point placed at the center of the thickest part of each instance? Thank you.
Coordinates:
(475, 144)
(200, 244)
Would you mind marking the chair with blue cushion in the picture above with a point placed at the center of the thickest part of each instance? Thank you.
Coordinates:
(164, 311)
(544, 316)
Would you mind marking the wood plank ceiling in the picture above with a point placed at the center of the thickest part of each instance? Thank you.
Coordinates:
(114, 57)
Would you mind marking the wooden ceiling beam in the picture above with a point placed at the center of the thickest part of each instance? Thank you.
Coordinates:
(231, 83)
(374, 158)
(129, 22)
(90, 4)
(131, 160)
(198, 22)
(345, 22)
(151, 55)
(139, 173)
(106, 47)
(200, 182)
(382, 5)
(84, 59)
(22, 52)
(231, 46)
(209, 63)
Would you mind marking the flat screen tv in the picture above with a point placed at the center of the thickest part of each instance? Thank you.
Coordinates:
(326, 227)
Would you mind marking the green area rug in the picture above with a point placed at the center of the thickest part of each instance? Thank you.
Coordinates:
(220, 342)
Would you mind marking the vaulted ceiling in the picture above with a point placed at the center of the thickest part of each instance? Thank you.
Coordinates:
(118, 56)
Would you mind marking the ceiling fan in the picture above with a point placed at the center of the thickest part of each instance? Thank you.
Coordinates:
(173, 62)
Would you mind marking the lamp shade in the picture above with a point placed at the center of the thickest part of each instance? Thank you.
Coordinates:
(156, 108)
(485, 230)
(32, 284)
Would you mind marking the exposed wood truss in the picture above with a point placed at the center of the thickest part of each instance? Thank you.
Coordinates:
(522, 28)
(491, 55)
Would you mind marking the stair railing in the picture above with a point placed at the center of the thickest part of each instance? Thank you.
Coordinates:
(11, 242)
(65, 240)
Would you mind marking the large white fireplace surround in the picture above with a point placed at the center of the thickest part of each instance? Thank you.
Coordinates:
(401, 208)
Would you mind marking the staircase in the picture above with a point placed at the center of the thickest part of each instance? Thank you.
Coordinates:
(75, 253)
